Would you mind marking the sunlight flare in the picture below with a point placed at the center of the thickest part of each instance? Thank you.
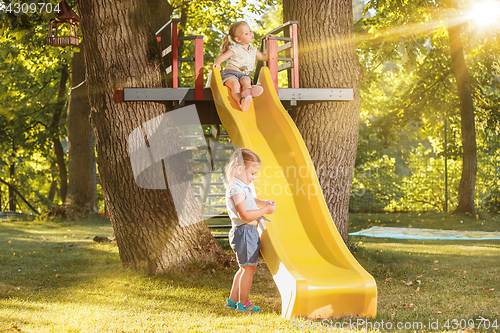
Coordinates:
(485, 13)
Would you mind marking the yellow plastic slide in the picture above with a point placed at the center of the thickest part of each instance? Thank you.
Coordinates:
(315, 273)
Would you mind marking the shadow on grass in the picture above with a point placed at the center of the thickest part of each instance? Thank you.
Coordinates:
(49, 270)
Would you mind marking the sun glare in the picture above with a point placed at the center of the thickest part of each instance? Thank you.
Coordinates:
(486, 13)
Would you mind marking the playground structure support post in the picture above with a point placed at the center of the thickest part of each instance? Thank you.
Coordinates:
(272, 49)
(175, 56)
(198, 69)
(295, 56)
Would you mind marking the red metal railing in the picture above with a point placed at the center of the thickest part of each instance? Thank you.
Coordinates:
(172, 50)
(290, 47)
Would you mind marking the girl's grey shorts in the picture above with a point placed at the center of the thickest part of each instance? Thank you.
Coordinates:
(229, 73)
(245, 242)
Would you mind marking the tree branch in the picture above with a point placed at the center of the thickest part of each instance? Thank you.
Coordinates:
(20, 195)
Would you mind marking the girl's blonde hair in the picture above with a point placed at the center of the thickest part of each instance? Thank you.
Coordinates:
(241, 157)
(231, 34)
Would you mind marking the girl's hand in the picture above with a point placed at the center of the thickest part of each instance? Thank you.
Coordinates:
(215, 65)
(270, 209)
(271, 202)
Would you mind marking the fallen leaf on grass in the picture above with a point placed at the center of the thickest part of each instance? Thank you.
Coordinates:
(388, 279)
(419, 276)
(436, 261)
(418, 289)
(437, 312)
(490, 290)
(436, 269)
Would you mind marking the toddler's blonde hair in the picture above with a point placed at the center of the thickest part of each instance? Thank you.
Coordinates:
(231, 34)
(241, 157)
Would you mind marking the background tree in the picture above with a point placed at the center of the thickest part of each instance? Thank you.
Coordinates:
(35, 106)
(461, 73)
(147, 228)
(82, 180)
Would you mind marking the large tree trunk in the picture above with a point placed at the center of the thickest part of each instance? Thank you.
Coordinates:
(327, 58)
(121, 51)
(469, 158)
(82, 179)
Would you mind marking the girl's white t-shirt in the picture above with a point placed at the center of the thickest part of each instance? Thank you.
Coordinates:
(242, 59)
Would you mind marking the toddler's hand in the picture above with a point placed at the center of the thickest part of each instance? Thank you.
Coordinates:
(271, 202)
(270, 209)
(215, 65)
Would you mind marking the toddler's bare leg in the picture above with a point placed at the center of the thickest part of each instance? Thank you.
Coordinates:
(246, 283)
(234, 86)
(248, 90)
(246, 84)
(235, 289)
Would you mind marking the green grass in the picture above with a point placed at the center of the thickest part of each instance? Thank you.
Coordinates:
(94, 293)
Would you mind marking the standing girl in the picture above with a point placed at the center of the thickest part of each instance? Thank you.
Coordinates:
(240, 55)
(243, 209)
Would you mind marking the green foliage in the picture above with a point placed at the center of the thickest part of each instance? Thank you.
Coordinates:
(212, 20)
(409, 91)
(30, 76)
(30, 72)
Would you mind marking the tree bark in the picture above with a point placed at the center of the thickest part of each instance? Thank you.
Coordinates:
(54, 130)
(121, 51)
(469, 159)
(82, 178)
(327, 58)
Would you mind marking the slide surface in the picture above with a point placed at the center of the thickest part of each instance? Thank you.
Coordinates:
(314, 271)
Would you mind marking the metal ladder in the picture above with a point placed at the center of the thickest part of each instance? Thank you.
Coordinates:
(207, 164)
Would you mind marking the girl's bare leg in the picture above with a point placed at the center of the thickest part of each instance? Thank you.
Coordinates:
(234, 87)
(246, 84)
(246, 283)
(248, 90)
(235, 290)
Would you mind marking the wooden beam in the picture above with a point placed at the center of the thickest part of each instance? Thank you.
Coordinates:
(188, 94)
